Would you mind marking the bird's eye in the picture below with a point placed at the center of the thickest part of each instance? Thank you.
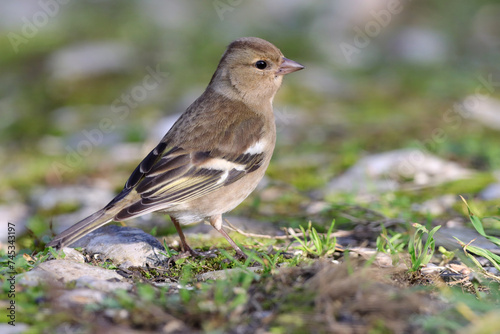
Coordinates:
(260, 64)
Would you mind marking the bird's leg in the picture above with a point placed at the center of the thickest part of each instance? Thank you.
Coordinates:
(184, 246)
(216, 222)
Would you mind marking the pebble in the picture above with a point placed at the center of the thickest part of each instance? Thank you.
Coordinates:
(445, 237)
(79, 297)
(482, 109)
(491, 192)
(123, 244)
(88, 59)
(383, 172)
(60, 272)
(436, 206)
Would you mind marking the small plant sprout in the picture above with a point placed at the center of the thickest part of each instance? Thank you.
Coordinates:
(168, 252)
(420, 253)
(392, 245)
(315, 244)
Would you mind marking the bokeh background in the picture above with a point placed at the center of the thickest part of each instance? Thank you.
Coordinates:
(87, 88)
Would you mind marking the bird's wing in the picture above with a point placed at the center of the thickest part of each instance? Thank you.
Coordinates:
(170, 175)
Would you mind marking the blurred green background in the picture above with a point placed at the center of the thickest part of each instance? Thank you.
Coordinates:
(380, 75)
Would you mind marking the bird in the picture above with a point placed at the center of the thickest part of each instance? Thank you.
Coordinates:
(213, 156)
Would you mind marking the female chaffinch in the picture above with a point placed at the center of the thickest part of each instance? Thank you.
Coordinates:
(216, 153)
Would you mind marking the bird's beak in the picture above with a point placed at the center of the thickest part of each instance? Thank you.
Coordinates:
(288, 66)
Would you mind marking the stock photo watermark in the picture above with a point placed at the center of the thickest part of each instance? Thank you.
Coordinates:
(364, 35)
(120, 110)
(32, 25)
(11, 255)
(453, 117)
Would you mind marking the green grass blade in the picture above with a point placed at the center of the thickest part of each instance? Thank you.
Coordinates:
(478, 225)
(493, 258)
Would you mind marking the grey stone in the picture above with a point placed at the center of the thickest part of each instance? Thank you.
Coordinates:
(493, 270)
(381, 259)
(431, 268)
(393, 170)
(446, 237)
(101, 285)
(48, 198)
(60, 272)
(89, 59)
(15, 214)
(436, 206)
(123, 244)
(90, 199)
(483, 109)
(10, 19)
(17, 329)
(421, 46)
(80, 297)
(317, 207)
(72, 254)
(491, 192)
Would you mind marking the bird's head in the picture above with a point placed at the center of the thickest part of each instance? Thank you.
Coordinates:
(252, 69)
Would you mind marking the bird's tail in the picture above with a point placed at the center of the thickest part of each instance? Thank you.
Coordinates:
(82, 228)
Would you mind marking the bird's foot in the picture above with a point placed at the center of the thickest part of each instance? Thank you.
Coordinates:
(240, 255)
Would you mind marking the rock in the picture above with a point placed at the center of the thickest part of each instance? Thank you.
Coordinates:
(72, 254)
(90, 199)
(481, 108)
(123, 244)
(392, 170)
(431, 268)
(491, 192)
(101, 285)
(60, 272)
(483, 261)
(317, 207)
(381, 259)
(421, 46)
(14, 16)
(16, 214)
(436, 206)
(17, 329)
(493, 271)
(90, 59)
(445, 237)
(79, 297)
(49, 198)
(456, 222)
